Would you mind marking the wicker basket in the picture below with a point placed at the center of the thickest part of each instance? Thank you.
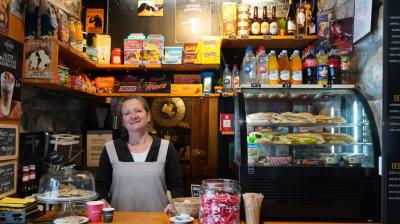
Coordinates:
(187, 205)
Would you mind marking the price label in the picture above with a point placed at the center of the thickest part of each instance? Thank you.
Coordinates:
(244, 37)
(396, 98)
(195, 190)
(396, 166)
(256, 85)
(267, 37)
(327, 86)
(298, 37)
(232, 37)
(286, 85)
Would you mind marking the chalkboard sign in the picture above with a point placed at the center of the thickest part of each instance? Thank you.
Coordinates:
(195, 189)
(9, 141)
(8, 178)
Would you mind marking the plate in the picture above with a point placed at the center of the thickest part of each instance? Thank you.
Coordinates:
(178, 220)
(71, 220)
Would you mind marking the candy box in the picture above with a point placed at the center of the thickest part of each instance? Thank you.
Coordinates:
(172, 55)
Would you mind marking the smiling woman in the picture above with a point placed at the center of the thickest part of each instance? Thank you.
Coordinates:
(138, 169)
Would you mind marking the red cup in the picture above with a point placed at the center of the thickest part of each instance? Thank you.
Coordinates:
(94, 209)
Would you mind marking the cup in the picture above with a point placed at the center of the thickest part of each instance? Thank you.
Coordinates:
(94, 209)
(7, 88)
(108, 214)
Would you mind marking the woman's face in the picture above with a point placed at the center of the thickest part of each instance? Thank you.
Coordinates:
(134, 116)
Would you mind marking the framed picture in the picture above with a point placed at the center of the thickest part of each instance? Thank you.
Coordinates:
(362, 19)
(8, 178)
(95, 21)
(9, 141)
(150, 7)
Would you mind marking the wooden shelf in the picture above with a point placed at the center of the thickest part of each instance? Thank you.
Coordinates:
(75, 57)
(268, 41)
(64, 89)
(227, 132)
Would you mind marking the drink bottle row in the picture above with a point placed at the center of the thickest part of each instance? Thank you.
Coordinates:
(300, 19)
(315, 66)
(28, 183)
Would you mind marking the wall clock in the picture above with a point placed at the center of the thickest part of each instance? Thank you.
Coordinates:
(168, 112)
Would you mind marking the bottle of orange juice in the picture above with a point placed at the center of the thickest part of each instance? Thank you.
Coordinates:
(273, 68)
(296, 68)
(284, 69)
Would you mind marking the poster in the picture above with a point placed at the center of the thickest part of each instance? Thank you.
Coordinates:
(10, 78)
(192, 20)
(362, 18)
(341, 35)
(18, 8)
(38, 56)
(4, 16)
(150, 7)
(9, 141)
(95, 21)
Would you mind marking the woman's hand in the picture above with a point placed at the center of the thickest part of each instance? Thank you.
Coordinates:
(106, 204)
(169, 209)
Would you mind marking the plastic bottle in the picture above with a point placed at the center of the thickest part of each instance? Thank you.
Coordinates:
(284, 68)
(322, 66)
(334, 67)
(227, 79)
(262, 65)
(273, 68)
(235, 77)
(296, 68)
(248, 67)
(345, 71)
(309, 66)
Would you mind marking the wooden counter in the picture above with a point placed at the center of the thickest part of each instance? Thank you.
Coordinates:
(161, 218)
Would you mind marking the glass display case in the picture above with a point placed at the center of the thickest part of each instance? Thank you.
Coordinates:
(311, 150)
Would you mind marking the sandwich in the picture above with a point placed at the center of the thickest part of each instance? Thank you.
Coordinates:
(329, 119)
(264, 117)
(305, 138)
(338, 138)
(298, 118)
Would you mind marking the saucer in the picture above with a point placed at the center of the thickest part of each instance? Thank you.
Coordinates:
(179, 220)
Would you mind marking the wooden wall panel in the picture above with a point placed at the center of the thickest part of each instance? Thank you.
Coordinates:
(213, 137)
(16, 28)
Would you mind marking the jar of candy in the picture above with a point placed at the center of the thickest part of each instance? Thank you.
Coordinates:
(219, 202)
(116, 56)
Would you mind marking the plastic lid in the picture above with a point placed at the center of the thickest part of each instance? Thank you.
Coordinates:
(226, 65)
(261, 48)
(320, 48)
(284, 52)
(235, 66)
(272, 52)
(249, 48)
(296, 52)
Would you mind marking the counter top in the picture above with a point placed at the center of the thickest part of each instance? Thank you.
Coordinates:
(162, 218)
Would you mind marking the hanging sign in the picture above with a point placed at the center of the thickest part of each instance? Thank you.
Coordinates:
(95, 21)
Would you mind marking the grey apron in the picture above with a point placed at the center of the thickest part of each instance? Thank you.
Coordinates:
(138, 186)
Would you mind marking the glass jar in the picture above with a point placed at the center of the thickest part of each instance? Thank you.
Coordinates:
(219, 202)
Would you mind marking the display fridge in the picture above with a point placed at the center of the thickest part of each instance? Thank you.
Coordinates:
(311, 150)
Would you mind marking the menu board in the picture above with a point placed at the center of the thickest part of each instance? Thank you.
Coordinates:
(8, 178)
(192, 20)
(9, 141)
(391, 105)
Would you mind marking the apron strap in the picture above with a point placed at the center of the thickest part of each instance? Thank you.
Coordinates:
(162, 153)
(112, 154)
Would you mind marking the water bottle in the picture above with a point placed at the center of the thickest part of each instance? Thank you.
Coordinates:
(248, 67)
(262, 65)
(235, 77)
(227, 77)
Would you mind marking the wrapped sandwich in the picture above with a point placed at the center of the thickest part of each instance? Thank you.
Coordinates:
(329, 119)
(297, 118)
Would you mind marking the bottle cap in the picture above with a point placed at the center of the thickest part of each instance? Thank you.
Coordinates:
(249, 48)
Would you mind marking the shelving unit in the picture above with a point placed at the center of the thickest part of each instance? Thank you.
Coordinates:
(267, 41)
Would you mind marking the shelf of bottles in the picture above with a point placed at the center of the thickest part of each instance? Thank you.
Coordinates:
(28, 182)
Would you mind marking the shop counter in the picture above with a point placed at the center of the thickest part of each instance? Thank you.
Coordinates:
(162, 218)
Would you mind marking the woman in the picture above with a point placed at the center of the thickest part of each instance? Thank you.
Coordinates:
(137, 170)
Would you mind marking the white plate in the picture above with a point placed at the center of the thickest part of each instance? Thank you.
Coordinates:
(182, 220)
(71, 220)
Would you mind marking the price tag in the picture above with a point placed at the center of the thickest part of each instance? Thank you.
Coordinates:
(267, 37)
(256, 85)
(142, 66)
(328, 86)
(195, 190)
(286, 85)
(298, 37)
(244, 37)
(232, 37)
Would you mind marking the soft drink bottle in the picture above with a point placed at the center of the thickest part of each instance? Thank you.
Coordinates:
(322, 66)
(262, 65)
(284, 69)
(227, 77)
(248, 67)
(309, 66)
(296, 68)
(273, 69)
(334, 67)
(235, 77)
